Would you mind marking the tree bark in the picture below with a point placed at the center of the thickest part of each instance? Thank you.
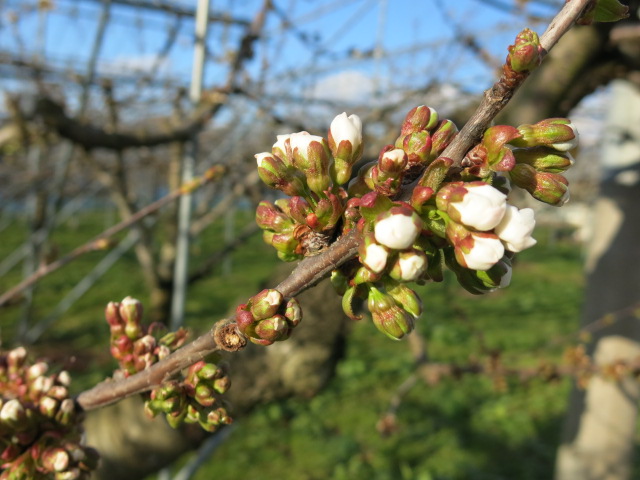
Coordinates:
(599, 434)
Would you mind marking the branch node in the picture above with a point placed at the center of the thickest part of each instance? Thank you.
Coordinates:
(227, 336)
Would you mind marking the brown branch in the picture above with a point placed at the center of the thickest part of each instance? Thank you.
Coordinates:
(101, 240)
(224, 335)
(178, 10)
(90, 136)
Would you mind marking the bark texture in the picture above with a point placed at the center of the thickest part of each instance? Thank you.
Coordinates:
(600, 429)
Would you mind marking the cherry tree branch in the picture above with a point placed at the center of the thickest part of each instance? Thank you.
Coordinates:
(224, 334)
(497, 97)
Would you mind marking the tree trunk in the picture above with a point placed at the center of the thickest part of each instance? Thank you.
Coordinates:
(599, 434)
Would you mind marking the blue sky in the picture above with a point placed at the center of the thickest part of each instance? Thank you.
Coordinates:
(414, 40)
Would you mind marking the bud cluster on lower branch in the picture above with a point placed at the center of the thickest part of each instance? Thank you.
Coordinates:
(40, 427)
(193, 397)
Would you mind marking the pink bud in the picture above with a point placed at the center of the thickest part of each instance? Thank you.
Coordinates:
(419, 118)
(526, 54)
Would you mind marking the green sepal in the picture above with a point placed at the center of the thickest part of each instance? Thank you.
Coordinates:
(347, 302)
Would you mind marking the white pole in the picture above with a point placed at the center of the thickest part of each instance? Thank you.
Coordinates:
(181, 270)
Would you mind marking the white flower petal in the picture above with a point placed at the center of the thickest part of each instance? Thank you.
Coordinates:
(347, 128)
(482, 207)
(485, 253)
(412, 266)
(516, 227)
(375, 258)
(261, 156)
(396, 231)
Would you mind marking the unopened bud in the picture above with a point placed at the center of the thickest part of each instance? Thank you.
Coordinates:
(475, 204)
(442, 137)
(474, 250)
(265, 304)
(327, 213)
(204, 395)
(525, 55)
(339, 281)
(312, 157)
(392, 161)
(373, 255)
(404, 296)
(16, 359)
(55, 459)
(398, 227)
(557, 133)
(37, 370)
(293, 312)
(345, 143)
(13, 414)
(419, 118)
(131, 313)
(551, 188)
(282, 242)
(48, 406)
(270, 217)
(409, 265)
(277, 174)
(418, 147)
(66, 412)
(387, 316)
(272, 329)
(544, 159)
(221, 385)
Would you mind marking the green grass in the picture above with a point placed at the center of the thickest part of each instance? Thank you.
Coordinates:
(462, 428)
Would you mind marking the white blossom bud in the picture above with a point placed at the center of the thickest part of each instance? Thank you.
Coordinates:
(375, 257)
(486, 251)
(347, 128)
(475, 204)
(515, 229)
(398, 229)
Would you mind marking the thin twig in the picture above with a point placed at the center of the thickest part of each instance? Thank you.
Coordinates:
(100, 241)
(497, 97)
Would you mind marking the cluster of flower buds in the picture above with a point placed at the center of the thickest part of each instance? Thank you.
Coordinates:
(135, 346)
(267, 317)
(422, 139)
(191, 399)
(194, 399)
(40, 428)
(533, 156)
(310, 170)
(541, 156)
(454, 217)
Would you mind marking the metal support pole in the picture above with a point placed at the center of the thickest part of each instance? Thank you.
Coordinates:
(181, 268)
